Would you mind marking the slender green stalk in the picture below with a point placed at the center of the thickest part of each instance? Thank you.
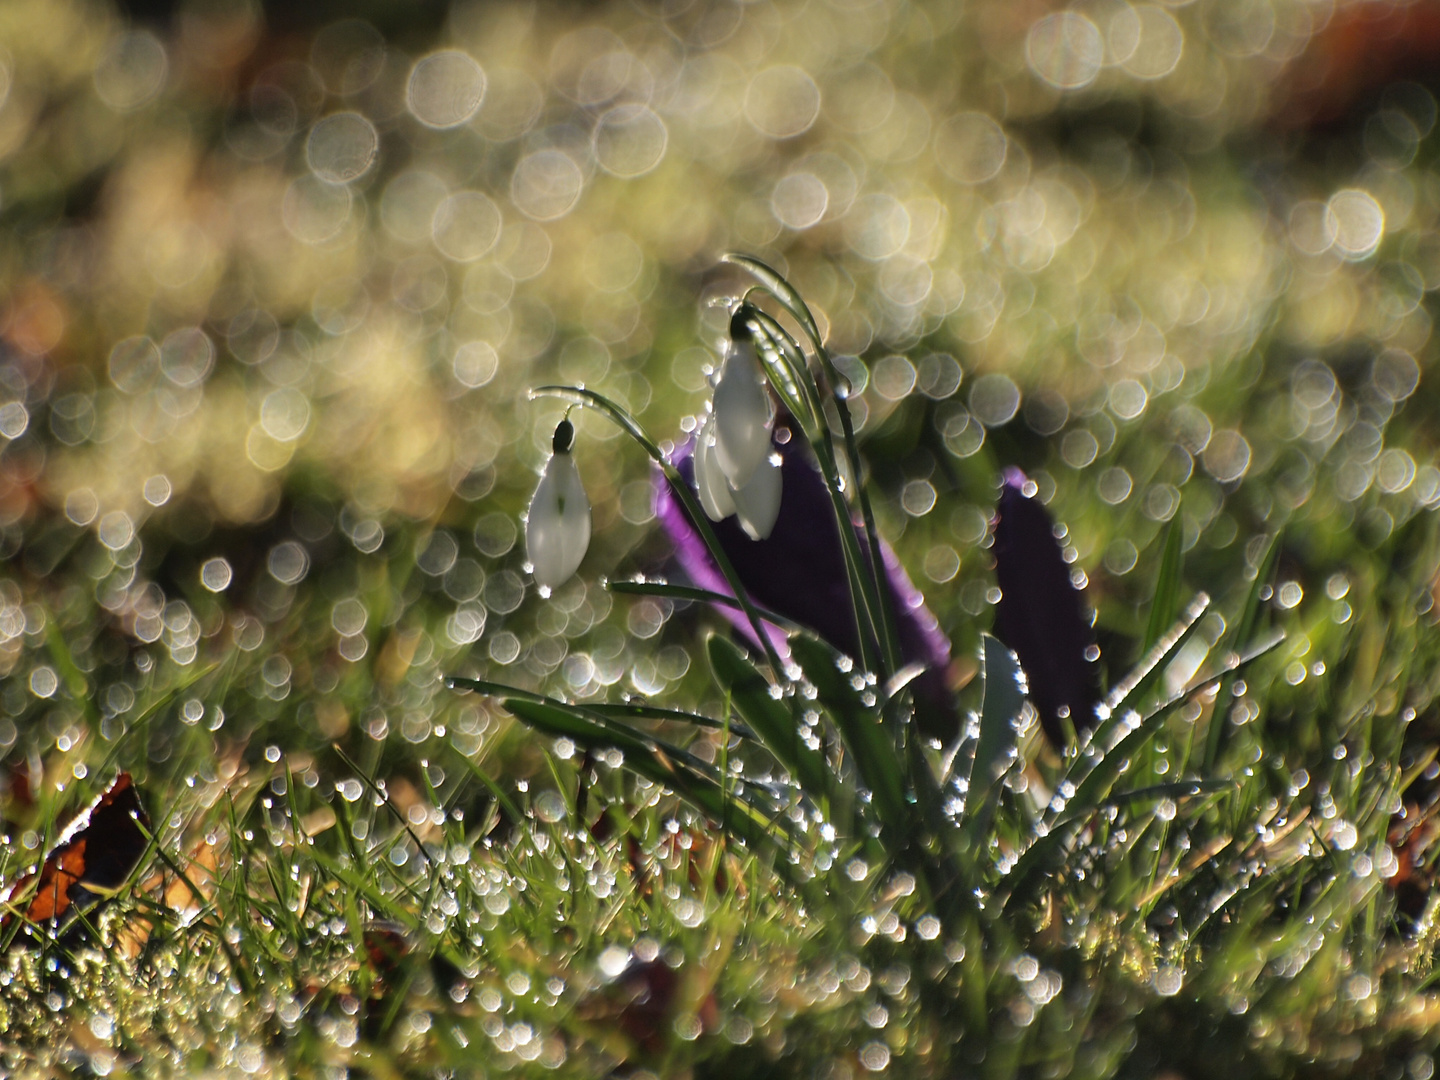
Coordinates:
(793, 303)
(786, 362)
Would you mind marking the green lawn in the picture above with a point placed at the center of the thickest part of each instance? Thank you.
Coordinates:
(276, 291)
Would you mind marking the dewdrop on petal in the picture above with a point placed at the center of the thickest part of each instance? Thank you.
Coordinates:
(557, 526)
(710, 482)
(742, 409)
(757, 504)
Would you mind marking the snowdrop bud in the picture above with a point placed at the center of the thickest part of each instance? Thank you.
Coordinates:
(710, 482)
(742, 409)
(557, 527)
(757, 504)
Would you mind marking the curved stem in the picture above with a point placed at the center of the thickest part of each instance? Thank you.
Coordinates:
(623, 420)
(791, 361)
(872, 536)
(876, 598)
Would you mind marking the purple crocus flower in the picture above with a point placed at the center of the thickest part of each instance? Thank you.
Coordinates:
(1040, 615)
(799, 572)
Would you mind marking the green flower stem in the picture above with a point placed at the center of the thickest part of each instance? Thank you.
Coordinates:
(888, 636)
(792, 302)
(864, 595)
(627, 423)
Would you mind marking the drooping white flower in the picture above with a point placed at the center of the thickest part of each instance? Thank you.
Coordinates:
(757, 504)
(710, 482)
(741, 409)
(557, 527)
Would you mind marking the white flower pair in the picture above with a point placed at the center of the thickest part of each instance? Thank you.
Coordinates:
(736, 470)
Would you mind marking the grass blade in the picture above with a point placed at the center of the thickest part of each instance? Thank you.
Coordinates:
(871, 749)
(1178, 789)
(1094, 791)
(1000, 706)
(772, 718)
(1045, 855)
(1250, 613)
(671, 768)
(1145, 673)
(638, 709)
(642, 711)
(1166, 602)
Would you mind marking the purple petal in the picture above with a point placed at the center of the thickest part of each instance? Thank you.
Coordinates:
(799, 572)
(1040, 615)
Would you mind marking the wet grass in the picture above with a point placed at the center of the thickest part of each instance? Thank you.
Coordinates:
(266, 442)
(356, 867)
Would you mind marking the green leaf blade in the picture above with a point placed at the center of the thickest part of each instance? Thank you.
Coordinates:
(1166, 603)
(1000, 707)
(874, 753)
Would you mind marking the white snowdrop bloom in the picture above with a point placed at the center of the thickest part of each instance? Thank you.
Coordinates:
(742, 410)
(557, 527)
(710, 482)
(757, 504)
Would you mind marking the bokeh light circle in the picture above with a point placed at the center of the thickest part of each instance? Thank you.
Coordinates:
(1312, 227)
(1147, 41)
(445, 89)
(342, 147)
(315, 211)
(970, 147)
(216, 574)
(630, 141)
(782, 101)
(186, 356)
(285, 414)
(1227, 456)
(994, 399)
(546, 185)
(1395, 375)
(132, 71)
(877, 226)
(134, 364)
(1065, 50)
(1358, 222)
(799, 200)
(475, 364)
(466, 225)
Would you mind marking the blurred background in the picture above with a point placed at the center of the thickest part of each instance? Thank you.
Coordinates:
(274, 281)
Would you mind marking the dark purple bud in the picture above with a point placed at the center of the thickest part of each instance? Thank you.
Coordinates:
(1040, 615)
(799, 572)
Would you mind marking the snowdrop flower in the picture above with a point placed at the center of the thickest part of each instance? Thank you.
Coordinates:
(557, 526)
(741, 409)
(710, 482)
(757, 504)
